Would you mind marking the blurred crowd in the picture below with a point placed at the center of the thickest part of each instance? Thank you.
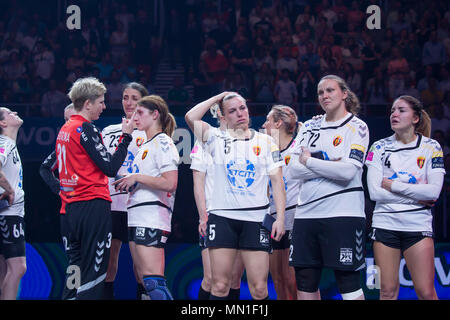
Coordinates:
(267, 50)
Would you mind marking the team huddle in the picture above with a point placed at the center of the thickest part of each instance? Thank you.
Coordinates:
(289, 201)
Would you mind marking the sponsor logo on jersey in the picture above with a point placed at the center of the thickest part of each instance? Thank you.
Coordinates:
(241, 175)
(2, 150)
(263, 237)
(437, 160)
(357, 152)
(337, 141)
(346, 256)
(420, 162)
(144, 154)
(369, 156)
(139, 141)
(257, 150)
(79, 129)
(287, 159)
(276, 156)
(140, 232)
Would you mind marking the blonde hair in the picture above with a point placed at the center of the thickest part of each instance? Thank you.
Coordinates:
(287, 115)
(86, 89)
(351, 102)
(422, 127)
(167, 120)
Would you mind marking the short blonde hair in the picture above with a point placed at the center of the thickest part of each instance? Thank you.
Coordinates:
(86, 89)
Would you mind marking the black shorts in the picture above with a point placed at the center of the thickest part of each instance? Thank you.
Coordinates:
(337, 243)
(119, 220)
(401, 240)
(64, 230)
(148, 237)
(12, 236)
(237, 234)
(284, 243)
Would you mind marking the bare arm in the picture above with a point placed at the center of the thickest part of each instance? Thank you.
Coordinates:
(279, 197)
(200, 199)
(8, 194)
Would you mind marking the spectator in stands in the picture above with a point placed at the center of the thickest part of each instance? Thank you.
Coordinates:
(93, 57)
(305, 83)
(439, 136)
(264, 81)
(410, 88)
(376, 93)
(327, 12)
(178, 96)
(433, 52)
(280, 21)
(400, 24)
(261, 56)
(306, 18)
(54, 101)
(210, 20)
(439, 121)
(286, 62)
(355, 16)
(192, 45)
(14, 70)
(432, 96)
(114, 91)
(43, 60)
(339, 7)
(422, 84)
(285, 91)
(387, 43)
(125, 17)
(241, 55)
(322, 29)
(235, 82)
(312, 57)
(355, 59)
(214, 66)
(118, 42)
(341, 26)
(398, 70)
(353, 79)
(76, 60)
(105, 66)
(139, 39)
(30, 39)
(444, 78)
(413, 51)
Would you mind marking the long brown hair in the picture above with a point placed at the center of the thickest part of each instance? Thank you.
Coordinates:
(424, 125)
(167, 120)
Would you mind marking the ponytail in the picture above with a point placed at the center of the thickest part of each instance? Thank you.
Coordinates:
(170, 125)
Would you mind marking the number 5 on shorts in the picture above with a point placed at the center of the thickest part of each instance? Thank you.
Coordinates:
(212, 232)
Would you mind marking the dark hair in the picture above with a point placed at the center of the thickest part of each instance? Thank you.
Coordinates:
(2, 117)
(351, 102)
(287, 115)
(166, 119)
(138, 87)
(424, 125)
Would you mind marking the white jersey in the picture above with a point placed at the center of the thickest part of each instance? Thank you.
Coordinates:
(111, 135)
(345, 140)
(147, 207)
(241, 175)
(291, 186)
(203, 162)
(410, 164)
(12, 169)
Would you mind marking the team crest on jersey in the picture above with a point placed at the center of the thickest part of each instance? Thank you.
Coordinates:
(287, 159)
(420, 162)
(257, 150)
(346, 256)
(337, 141)
(79, 129)
(144, 154)
(139, 141)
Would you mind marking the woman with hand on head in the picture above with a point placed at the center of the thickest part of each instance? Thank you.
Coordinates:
(152, 187)
(243, 162)
(201, 167)
(329, 227)
(131, 94)
(405, 177)
(12, 248)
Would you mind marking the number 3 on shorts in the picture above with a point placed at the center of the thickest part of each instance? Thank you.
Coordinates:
(212, 232)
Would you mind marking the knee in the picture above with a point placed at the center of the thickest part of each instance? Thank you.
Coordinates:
(206, 282)
(18, 270)
(389, 292)
(427, 293)
(220, 287)
(259, 291)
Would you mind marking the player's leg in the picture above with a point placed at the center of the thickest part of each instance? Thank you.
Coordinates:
(236, 276)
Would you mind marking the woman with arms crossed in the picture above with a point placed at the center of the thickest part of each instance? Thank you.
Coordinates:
(405, 177)
(152, 187)
(243, 161)
(329, 228)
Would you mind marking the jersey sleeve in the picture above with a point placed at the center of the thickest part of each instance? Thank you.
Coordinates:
(374, 156)
(91, 141)
(46, 172)
(273, 158)
(198, 158)
(358, 145)
(167, 157)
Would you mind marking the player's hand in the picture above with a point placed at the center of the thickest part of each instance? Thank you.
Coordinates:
(277, 230)
(128, 124)
(202, 225)
(125, 184)
(8, 195)
(428, 203)
(304, 156)
(386, 184)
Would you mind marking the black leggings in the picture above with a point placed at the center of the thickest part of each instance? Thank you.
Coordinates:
(308, 280)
